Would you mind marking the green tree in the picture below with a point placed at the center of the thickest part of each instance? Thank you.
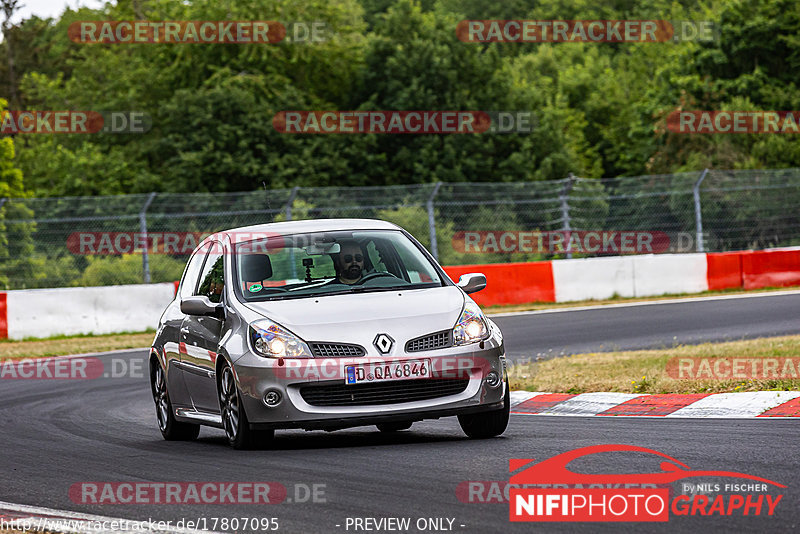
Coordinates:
(127, 269)
(16, 244)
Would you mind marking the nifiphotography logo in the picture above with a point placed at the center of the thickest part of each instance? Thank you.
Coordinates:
(560, 494)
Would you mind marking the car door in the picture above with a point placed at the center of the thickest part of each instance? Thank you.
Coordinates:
(171, 323)
(200, 336)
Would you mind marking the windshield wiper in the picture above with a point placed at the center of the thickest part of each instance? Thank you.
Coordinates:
(352, 289)
(365, 289)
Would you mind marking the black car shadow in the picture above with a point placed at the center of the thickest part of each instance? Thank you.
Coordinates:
(352, 438)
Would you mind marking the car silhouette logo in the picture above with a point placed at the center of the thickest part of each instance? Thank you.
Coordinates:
(554, 470)
(383, 343)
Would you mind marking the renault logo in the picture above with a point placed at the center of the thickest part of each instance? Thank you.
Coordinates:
(383, 343)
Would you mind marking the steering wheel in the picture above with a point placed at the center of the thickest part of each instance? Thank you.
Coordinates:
(372, 276)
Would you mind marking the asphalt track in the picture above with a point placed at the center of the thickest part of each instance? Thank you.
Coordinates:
(651, 325)
(59, 432)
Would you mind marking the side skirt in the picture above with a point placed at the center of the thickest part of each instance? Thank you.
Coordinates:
(190, 415)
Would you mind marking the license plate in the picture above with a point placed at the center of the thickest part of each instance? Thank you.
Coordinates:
(387, 371)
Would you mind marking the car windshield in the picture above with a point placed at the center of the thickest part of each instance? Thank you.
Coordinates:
(328, 263)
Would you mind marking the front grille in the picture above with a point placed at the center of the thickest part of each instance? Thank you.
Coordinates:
(439, 340)
(382, 393)
(336, 350)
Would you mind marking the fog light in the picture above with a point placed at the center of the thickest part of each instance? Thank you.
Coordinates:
(492, 379)
(272, 398)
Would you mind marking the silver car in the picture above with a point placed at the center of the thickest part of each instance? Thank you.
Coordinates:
(324, 324)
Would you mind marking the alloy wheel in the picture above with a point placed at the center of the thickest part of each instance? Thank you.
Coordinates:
(229, 403)
(160, 398)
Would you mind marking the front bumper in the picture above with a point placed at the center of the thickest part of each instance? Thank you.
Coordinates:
(470, 364)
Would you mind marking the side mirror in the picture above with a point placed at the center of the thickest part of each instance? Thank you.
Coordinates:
(472, 282)
(200, 305)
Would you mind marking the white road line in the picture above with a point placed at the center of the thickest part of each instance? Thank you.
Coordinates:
(735, 405)
(59, 521)
(589, 404)
(649, 303)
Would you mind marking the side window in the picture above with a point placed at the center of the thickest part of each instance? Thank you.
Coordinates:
(417, 271)
(189, 281)
(212, 278)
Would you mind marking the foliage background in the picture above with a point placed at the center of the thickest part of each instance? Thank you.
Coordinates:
(600, 108)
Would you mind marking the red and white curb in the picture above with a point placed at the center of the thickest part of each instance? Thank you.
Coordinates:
(695, 405)
(37, 519)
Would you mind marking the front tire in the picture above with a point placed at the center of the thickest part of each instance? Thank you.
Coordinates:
(171, 429)
(234, 419)
(487, 424)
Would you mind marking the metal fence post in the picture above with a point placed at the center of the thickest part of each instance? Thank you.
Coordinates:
(698, 216)
(564, 198)
(432, 221)
(143, 230)
(288, 209)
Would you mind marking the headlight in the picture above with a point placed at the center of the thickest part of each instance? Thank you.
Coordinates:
(273, 341)
(471, 326)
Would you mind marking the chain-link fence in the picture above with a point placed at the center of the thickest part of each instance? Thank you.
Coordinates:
(52, 242)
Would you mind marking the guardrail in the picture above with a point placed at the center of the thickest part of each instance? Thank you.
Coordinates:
(633, 276)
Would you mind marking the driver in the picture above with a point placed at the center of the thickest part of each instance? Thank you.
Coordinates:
(349, 262)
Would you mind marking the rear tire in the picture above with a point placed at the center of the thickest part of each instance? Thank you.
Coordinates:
(487, 424)
(394, 427)
(171, 428)
(234, 419)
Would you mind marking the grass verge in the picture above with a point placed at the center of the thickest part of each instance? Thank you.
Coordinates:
(644, 371)
(624, 300)
(62, 345)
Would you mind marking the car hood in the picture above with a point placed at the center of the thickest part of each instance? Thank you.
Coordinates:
(359, 318)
